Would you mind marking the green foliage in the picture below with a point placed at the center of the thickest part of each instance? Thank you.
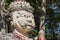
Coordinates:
(7, 2)
(54, 19)
(36, 4)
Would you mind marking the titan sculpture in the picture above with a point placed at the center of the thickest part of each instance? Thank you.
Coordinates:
(22, 19)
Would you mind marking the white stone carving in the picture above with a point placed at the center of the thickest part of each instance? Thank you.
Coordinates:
(22, 18)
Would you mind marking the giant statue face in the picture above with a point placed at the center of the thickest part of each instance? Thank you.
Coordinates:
(23, 20)
(22, 17)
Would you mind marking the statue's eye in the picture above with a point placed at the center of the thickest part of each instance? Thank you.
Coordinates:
(18, 13)
(17, 16)
(24, 15)
(30, 21)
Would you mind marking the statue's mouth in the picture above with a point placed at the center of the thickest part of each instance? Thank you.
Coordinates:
(28, 25)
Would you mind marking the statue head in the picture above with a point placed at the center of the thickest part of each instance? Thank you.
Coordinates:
(22, 17)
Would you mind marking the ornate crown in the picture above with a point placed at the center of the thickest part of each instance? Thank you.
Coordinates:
(17, 6)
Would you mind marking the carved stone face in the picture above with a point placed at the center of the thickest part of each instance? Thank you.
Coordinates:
(23, 20)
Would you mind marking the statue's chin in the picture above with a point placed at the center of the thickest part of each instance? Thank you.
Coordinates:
(22, 30)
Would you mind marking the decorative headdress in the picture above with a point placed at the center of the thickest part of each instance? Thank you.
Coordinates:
(20, 5)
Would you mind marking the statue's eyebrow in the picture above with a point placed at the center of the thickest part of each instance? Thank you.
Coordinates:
(18, 13)
(17, 16)
(24, 15)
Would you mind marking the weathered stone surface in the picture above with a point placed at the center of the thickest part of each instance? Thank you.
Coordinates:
(21, 14)
(15, 6)
(6, 36)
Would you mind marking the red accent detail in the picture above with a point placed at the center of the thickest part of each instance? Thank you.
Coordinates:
(41, 38)
(19, 37)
